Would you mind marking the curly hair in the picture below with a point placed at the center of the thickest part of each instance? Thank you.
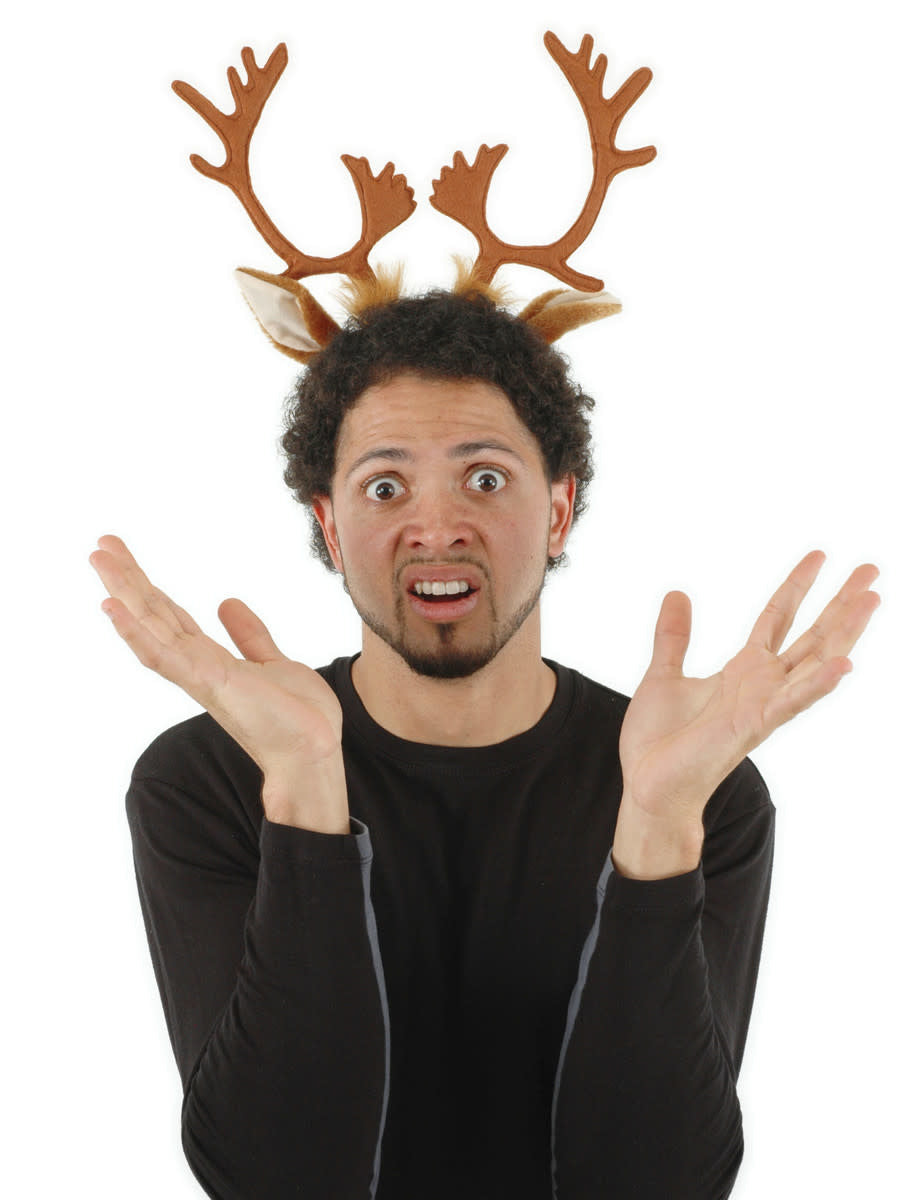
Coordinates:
(440, 335)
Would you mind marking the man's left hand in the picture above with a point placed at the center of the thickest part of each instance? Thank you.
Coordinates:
(682, 736)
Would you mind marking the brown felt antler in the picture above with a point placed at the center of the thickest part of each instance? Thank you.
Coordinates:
(385, 199)
(460, 191)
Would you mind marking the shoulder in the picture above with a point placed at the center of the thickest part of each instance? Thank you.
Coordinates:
(599, 696)
(195, 752)
(589, 696)
(196, 770)
(200, 752)
(195, 796)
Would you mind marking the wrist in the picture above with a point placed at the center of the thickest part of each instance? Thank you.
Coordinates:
(647, 847)
(312, 796)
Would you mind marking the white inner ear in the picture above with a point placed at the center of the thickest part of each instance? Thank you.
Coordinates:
(277, 311)
(572, 297)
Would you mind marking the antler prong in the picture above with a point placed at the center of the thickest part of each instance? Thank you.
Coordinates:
(461, 192)
(213, 116)
(236, 85)
(386, 202)
(206, 168)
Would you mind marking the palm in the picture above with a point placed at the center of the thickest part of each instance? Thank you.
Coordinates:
(675, 722)
(279, 710)
(682, 735)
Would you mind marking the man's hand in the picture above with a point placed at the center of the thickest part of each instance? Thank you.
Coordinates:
(283, 714)
(682, 736)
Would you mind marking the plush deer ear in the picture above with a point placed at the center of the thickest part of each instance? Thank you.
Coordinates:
(289, 315)
(556, 312)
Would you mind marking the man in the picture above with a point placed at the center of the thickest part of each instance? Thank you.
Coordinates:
(445, 918)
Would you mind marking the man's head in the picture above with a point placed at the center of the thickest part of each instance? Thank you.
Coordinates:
(429, 381)
(439, 335)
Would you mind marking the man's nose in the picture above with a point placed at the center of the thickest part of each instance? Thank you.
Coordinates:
(439, 520)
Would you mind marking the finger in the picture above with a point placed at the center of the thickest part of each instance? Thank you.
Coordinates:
(112, 544)
(124, 579)
(672, 633)
(150, 650)
(776, 618)
(249, 634)
(145, 602)
(794, 697)
(833, 641)
(838, 613)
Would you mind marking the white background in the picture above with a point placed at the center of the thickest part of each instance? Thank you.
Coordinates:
(757, 398)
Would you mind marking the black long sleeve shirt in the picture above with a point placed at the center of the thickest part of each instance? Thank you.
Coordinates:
(462, 997)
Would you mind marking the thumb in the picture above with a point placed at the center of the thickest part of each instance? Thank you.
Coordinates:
(672, 634)
(247, 631)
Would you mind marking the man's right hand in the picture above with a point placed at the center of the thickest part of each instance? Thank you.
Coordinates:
(283, 714)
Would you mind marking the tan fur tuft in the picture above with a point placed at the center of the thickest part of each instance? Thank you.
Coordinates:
(467, 283)
(358, 295)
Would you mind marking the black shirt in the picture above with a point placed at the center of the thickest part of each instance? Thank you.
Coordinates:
(462, 997)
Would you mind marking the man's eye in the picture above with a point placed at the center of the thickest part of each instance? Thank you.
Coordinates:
(496, 474)
(383, 488)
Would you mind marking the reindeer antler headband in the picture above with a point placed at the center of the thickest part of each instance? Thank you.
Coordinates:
(291, 317)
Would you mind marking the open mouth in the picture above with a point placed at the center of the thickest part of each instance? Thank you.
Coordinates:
(443, 605)
(443, 598)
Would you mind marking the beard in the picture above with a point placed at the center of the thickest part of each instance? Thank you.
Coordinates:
(451, 659)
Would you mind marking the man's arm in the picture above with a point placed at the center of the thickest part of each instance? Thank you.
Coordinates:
(254, 887)
(270, 977)
(645, 1103)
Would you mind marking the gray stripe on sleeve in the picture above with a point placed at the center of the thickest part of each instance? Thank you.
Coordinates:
(573, 1007)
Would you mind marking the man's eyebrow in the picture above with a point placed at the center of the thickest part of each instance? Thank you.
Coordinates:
(461, 450)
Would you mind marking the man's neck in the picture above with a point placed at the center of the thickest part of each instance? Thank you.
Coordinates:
(506, 697)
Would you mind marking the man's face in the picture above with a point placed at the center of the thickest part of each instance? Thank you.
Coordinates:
(441, 481)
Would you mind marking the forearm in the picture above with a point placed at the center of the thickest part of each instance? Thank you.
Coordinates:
(645, 1103)
(289, 1094)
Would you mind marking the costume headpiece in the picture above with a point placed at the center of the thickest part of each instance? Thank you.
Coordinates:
(291, 317)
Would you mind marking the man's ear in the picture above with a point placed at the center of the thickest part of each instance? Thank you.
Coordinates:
(322, 507)
(563, 495)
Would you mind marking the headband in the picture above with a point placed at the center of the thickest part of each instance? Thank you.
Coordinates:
(291, 317)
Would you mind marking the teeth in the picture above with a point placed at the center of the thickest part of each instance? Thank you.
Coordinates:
(437, 588)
